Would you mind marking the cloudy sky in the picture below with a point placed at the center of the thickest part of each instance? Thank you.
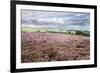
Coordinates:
(52, 19)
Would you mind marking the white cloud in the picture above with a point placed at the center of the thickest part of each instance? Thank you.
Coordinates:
(79, 14)
(51, 20)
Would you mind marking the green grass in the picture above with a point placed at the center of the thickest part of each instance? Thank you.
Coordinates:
(29, 29)
(72, 32)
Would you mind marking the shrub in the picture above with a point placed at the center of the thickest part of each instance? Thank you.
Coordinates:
(38, 30)
(84, 33)
(78, 32)
(51, 53)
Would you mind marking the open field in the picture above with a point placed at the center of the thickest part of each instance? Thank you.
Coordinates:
(65, 31)
(48, 46)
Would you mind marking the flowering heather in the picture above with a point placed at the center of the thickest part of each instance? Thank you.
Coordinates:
(46, 46)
